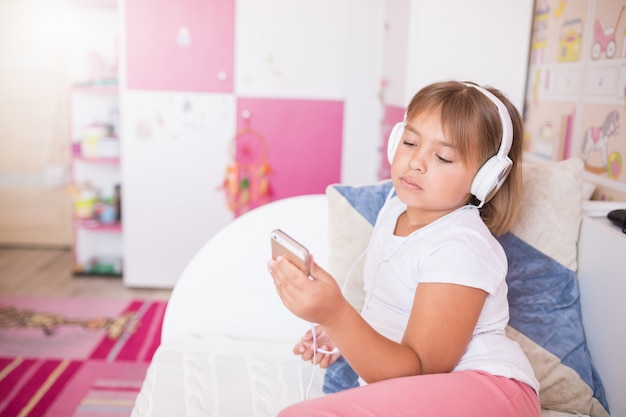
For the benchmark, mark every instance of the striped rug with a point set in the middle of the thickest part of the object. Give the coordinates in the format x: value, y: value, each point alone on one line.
x: 75, y: 357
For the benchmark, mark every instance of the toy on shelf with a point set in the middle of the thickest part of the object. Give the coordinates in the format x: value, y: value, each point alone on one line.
x: 100, y: 265
x: 247, y: 176
x: 97, y: 141
x: 604, y: 37
x: 92, y: 209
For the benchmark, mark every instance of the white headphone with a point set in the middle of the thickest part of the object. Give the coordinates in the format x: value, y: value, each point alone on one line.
x: 494, y: 171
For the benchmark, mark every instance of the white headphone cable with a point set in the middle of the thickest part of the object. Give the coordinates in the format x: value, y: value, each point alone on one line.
x: 304, y: 394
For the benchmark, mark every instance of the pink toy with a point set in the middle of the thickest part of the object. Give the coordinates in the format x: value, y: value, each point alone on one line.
x: 604, y: 38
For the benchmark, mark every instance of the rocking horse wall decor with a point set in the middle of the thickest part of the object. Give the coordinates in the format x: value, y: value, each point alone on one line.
x: 596, y: 140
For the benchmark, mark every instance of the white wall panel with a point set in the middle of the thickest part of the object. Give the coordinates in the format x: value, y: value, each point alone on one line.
x: 486, y: 41
x: 293, y: 49
x: 363, y: 104
x: 174, y: 157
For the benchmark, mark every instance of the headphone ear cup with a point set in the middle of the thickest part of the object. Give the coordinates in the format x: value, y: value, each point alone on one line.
x: 394, y: 140
x: 490, y: 178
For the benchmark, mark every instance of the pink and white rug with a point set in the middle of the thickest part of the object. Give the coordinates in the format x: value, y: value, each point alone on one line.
x: 75, y: 357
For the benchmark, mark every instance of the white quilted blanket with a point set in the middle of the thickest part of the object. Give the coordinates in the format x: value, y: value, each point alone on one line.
x: 221, y: 377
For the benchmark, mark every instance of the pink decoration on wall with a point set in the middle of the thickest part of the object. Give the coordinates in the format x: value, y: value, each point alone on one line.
x: 303, y: 138
x: 186, y: 45
x: 247, y: 179
x: 392, y: 116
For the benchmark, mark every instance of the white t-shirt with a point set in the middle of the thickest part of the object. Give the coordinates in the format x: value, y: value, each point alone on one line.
x: 457, y: 248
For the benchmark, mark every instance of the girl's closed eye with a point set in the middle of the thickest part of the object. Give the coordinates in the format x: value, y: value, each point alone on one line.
x: 444, y: 160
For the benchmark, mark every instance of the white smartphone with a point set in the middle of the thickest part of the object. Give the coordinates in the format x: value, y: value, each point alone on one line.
x: 287, y: 247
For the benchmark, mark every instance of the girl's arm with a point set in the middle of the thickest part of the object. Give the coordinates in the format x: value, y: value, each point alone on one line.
x: 439, y: 329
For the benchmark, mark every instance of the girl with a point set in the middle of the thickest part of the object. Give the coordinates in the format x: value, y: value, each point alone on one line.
x: 430, y: 339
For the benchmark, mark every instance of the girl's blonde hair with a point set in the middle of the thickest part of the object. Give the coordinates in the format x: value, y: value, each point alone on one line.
x: 471, y: 121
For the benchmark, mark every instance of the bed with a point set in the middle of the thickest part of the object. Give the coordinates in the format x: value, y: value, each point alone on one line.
x: 227, y: 339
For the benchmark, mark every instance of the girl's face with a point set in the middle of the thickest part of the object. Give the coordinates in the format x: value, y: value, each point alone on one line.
x: 428, y: 172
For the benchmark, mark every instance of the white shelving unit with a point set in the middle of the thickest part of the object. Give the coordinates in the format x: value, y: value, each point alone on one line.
x: 96, y: 178
x: 91, y: 29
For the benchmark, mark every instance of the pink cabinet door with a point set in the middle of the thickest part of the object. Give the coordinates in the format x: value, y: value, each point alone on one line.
x: 180, y: 45
x: 303, y: 139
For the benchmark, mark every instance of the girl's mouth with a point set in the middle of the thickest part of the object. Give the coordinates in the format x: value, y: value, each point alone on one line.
x: 410, y: 184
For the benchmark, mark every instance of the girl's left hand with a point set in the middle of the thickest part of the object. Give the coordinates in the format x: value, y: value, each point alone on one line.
x: 317, y: 299
x: 322, y: 352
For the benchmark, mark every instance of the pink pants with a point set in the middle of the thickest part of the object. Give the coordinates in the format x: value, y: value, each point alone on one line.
x: 465, y: 393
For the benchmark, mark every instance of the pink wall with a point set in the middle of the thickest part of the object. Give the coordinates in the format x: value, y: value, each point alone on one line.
x: 304, y: 141
x: 186, y: 45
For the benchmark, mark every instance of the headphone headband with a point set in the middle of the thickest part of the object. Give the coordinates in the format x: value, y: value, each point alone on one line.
x: 505, y: 120
x: 495, y: 170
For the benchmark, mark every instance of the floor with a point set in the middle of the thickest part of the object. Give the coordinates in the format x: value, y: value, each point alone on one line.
x: 48, y: 273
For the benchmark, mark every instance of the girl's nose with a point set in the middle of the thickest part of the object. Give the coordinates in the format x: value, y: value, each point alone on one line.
x: 416, y: 162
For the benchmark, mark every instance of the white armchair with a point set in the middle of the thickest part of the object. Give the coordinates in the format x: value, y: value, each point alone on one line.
x: 226, y: 345
x: 226, y: 289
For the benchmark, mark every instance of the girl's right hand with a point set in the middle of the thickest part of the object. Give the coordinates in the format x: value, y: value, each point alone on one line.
x: 305, y: 348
